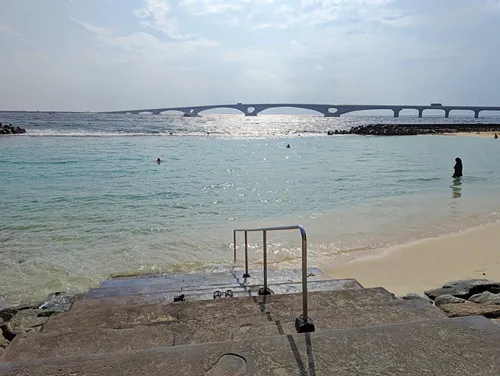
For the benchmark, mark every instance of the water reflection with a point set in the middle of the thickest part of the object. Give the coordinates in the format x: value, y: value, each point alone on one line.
x: 456, y: 188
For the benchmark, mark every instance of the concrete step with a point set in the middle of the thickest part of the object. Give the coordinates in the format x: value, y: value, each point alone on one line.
x: 135, y: 295
x: 209, y: 310
x: 178, y: 280
x: 222, y: 327
x: 449, y: 347
x: 188, y: 287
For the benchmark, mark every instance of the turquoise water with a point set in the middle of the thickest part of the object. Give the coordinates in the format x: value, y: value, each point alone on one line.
x: 84, y: 199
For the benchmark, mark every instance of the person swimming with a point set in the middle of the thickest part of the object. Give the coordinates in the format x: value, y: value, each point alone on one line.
x: 288, y: 146
x: 158, y: 160
x: 458, y: 168
x: 496, y: 136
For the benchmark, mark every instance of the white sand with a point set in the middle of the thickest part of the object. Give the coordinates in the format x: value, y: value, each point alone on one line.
x: 473, y: 134
x: 429, y: 263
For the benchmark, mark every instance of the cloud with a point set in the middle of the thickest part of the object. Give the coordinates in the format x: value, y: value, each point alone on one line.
x: 144, y: 45
x: 6, y: 29
x: 205, y: 7
x: 93, y: 28
x: 157, y: 14
x: 319, y: 12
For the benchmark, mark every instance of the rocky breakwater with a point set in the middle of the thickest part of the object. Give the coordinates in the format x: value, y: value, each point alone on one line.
x: 416, y: 129
x: 476, y: 297
x: 11, y: 129
x: 30, y: 318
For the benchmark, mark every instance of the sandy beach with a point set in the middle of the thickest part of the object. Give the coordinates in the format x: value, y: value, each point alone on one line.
x: 473, y: 134
x: 428, y: 263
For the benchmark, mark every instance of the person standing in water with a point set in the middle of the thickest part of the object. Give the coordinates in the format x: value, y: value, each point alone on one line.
x: 458, y: 168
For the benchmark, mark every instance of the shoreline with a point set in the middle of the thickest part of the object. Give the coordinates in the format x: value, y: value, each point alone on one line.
x: 424, y: 264
x: 472, y: 134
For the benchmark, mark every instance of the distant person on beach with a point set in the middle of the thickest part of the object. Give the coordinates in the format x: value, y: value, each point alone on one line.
x: 158, y: 160
x: 458, y: 168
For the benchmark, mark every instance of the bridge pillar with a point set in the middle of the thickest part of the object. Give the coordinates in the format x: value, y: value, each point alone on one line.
x: 476, y: 114
x: 420, y: 112
x: 446, y: 114
x: 396, y: 112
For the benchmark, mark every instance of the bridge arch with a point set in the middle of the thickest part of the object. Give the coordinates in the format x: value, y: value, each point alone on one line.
x: 386, y: 112
x: 431, y: 112
x: 298, y: 111
x: 322, y: 109
x: 409, y: 112
x: 461, y: 112
x: 231, y: 107
x: 221, y: 111
x: 171, y: 112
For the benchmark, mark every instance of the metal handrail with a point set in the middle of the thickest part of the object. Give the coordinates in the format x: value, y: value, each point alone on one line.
x: 302, y: 323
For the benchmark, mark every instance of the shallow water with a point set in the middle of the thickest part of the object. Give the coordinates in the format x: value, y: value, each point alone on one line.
x: 75, y: 210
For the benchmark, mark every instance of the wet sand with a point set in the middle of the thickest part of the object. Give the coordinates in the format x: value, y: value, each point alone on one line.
x: 428, y: 263
x: 473, y: 134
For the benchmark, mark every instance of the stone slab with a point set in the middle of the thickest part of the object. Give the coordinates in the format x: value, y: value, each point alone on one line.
x: 221, y: 278
x: 465, y: 288
x: 450, y: 347
x: 286, y: 287
x: 205, y: 294
x: 154, y: 313
x: 220, y: 328
x: 471, y: 309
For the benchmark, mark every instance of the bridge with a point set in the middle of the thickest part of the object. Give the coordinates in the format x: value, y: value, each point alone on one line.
x: 328, y: 110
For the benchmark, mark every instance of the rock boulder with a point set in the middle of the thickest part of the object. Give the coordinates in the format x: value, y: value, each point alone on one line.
x: 25, y: 321
x: 491, y: 311
x: 11, y: 129
x: 448, y: 299
x: 485, y: 298
x: 464, y: 288
x: 413, y: 296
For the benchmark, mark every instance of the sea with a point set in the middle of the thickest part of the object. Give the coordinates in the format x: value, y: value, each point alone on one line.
x: 83, y: 199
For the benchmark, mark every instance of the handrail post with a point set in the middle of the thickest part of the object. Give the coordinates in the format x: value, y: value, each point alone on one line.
x: 264, y: 244
x: 234, y: 239
x: 304, y: 276
x: 246, y: 275
x: 265, y: 290
x: 304, y: 324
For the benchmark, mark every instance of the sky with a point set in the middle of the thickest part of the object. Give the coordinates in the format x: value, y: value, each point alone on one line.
x: 98, y: 55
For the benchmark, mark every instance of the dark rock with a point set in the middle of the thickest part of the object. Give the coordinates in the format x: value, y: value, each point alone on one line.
x: 7, y: 313
x: 11, y: 129
x: 448, y: 299
x: 491, y: 311
x: 416, y: 297
x: 414, y: 129
x: 464, y: 289
x: 24, y: 321
x: 485, y: 298
x: 57, y: 302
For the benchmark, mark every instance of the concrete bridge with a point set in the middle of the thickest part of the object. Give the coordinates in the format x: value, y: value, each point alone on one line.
x: 328, y: 110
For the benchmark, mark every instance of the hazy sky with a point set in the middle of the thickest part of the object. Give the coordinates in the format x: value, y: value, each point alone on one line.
x: 124, y: 54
